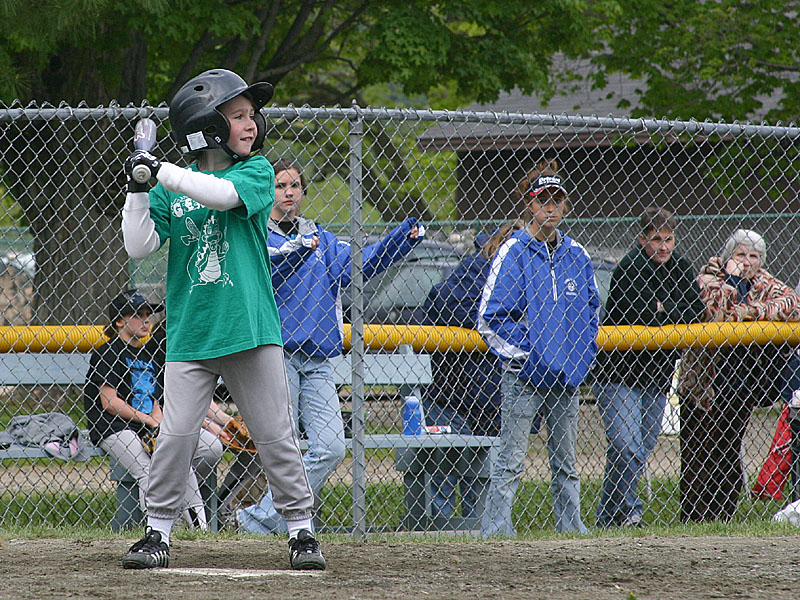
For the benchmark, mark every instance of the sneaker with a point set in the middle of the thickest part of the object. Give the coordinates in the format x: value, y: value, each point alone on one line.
x: 228, y: 519
x: 633, y: 521
x: 304, y: 552
x: 789, y: 514
x: 148, y: 552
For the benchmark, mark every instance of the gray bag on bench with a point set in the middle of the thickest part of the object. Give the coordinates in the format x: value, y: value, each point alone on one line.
x: 53, y: 432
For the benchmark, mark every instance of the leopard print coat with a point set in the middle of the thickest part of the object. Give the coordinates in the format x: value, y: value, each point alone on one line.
x: 769, y: 299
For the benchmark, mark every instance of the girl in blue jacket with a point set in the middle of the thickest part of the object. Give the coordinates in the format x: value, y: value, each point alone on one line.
x: 538, y: 312
x: 310, y: 268
x: 465, y: 391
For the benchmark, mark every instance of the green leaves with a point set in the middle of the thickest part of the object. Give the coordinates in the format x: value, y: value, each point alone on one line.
x: 725, y: 59
x: 315, y: 52
x: 483, y: 47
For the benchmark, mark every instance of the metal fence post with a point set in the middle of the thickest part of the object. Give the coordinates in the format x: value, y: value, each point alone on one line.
x: 356, y: 132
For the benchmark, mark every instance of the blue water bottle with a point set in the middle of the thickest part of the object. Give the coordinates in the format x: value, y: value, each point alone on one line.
x: 413, y: 421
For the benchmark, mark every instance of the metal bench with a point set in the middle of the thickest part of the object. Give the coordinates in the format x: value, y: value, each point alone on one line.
x: 420, y: 457
x: 71, y: 369
x: 417, y: 457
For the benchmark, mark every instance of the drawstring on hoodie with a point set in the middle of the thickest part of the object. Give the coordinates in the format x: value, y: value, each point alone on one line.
x: 552, y: 272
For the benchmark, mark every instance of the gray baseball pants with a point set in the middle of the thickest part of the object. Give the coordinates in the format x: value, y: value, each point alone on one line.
x: 126, y: 448
x: 256, y: 380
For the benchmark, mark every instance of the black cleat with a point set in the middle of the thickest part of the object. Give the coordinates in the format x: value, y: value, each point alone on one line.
x: 148, y: 553
x: 304, y: 552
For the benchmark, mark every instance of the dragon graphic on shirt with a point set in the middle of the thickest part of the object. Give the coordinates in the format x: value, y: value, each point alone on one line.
x: 208, y: 261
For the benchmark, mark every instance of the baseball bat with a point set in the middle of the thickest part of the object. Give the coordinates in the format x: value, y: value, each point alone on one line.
x: 144, y: 138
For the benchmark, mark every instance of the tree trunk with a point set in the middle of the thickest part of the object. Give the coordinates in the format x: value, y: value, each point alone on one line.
x: 65, y: 174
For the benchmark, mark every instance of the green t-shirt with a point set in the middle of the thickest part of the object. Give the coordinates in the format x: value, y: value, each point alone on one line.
x: 219, y: 283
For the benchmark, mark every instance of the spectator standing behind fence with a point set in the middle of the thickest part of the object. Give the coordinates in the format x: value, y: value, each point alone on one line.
x: 122, y: 399
x: 719, y: 387
x: 538, y: 313
x: 652, y: 286
x: 223, y: 320
x: 311, y: 266
x: 465, y: 391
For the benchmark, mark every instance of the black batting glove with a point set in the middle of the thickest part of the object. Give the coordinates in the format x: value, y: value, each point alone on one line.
x: 139, y: 168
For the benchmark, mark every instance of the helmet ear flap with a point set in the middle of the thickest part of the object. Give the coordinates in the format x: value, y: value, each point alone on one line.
x: 261, y: 131
x: 218, y: 130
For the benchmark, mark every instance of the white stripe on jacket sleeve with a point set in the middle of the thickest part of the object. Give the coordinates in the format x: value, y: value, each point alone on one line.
x: 495, y: 342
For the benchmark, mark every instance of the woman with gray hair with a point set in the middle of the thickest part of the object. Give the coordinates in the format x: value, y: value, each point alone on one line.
x: 719, y: 387
x: 748, y: 238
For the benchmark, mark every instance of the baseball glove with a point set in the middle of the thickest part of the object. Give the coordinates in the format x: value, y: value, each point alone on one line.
x: 149, y: 440
x: 236, y: 436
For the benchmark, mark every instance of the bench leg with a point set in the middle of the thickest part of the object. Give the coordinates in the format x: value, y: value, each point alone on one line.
x: 208, y: 489
x: 128, y: 514
x: 419, y: 464
x: 411, y: 462
x: 416, y: 517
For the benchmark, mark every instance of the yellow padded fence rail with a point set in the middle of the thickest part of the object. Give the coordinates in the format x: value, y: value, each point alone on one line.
x: 84, y: 338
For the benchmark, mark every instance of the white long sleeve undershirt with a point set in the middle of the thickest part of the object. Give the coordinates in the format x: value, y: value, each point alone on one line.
x: 208, y: 190
x: 138, y: 227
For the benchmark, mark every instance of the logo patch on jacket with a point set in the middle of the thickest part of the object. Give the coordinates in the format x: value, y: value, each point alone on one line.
x: 571, y: 287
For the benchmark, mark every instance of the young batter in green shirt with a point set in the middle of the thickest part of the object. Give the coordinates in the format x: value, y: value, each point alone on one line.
x: 223, y: 320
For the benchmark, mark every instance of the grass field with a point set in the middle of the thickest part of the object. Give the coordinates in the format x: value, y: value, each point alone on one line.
x: 532, y: 508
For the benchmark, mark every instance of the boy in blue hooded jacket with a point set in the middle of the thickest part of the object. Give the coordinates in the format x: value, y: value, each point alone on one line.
x: 539, y: 313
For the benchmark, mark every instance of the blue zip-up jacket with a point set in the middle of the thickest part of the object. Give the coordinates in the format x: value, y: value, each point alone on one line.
x: 308, y: 283
x: 540, y: 311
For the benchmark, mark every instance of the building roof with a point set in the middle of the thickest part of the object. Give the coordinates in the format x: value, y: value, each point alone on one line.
x: 576, y: 98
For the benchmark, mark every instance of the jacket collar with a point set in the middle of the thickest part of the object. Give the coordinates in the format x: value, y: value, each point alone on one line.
x: 539, y: 245
x: 304, y: 226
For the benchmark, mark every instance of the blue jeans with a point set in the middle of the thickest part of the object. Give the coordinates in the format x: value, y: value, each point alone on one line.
x: 315, y: 402
x: 632, y: 419
x: 521, y: 402
x: 443, y: 487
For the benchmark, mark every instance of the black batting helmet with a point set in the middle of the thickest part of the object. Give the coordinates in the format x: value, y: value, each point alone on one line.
x: 197, y: 123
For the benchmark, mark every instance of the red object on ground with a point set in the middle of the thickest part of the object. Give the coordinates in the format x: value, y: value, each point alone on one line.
x: 776, y: 469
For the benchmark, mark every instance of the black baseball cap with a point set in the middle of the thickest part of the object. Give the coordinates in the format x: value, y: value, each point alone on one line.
x: 546, y: 182
x: 130, y: 302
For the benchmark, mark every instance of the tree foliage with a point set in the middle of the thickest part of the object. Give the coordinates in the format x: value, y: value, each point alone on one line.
x: 715, y: 59
x: 317, y: 51
x: 719, y: 59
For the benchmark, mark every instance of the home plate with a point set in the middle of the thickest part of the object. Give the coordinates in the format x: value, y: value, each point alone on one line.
x: 234, y: 573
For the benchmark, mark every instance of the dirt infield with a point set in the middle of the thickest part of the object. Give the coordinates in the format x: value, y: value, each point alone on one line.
x: 608, y: 568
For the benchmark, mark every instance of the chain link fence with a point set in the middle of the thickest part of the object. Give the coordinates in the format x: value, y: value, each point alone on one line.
x: 367, y: 171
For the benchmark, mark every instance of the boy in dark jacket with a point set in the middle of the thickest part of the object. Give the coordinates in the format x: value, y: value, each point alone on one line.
x: 652, y: 286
